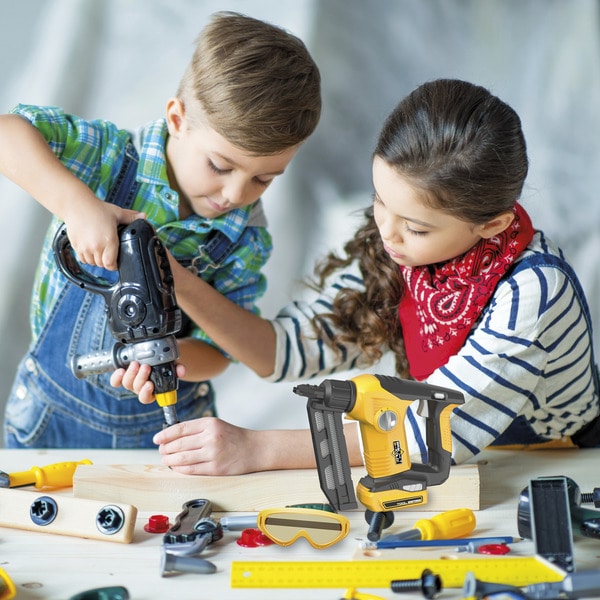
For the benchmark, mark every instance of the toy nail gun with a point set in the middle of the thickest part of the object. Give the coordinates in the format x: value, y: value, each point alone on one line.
x: 379, y: 403
x: 142, y: 311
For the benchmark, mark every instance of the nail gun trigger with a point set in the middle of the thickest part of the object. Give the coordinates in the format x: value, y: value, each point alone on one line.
x: 423, y: 409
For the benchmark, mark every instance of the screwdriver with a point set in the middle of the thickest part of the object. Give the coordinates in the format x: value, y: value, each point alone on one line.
x: 448, y: 525
x: 55, y: 475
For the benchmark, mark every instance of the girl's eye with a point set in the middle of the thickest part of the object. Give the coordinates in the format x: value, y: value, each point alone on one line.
x: 216, y: 169
x: 414, y: 231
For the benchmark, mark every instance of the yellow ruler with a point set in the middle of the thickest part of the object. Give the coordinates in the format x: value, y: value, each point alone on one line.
x: 518, y: 571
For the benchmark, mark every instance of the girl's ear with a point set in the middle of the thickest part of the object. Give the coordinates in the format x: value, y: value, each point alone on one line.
x: 496, y: 225
x: 175, y: 114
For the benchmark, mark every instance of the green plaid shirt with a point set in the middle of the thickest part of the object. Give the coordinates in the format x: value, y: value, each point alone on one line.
x: 93, y: 151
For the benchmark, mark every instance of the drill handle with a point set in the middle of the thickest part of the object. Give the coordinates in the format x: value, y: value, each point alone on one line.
x: 72, y: 269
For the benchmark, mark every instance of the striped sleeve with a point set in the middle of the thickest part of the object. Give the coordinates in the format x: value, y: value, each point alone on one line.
x: 529, y: 355
x: 300, y: 353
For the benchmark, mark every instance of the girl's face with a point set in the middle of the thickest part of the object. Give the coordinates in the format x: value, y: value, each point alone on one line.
x: 211, y: 175
x: 414, y: 234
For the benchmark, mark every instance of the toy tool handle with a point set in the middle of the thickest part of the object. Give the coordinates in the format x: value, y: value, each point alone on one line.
x: 72, y: 269
x: 55, y: 475
x: 449, y: 525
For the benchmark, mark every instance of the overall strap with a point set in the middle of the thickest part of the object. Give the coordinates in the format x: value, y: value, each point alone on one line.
x: 218, y: 247
x: 125, y: 187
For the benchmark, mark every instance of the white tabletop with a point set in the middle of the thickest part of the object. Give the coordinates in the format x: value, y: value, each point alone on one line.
x: 53, y: 566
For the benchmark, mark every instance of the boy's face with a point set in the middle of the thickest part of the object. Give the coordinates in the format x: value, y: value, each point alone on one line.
x: 211, y: 175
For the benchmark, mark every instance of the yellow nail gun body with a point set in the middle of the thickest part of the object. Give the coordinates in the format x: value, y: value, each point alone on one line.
x: 379, y: 403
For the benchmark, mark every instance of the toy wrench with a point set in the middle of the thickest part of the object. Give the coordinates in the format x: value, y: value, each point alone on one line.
x: 193, y: 530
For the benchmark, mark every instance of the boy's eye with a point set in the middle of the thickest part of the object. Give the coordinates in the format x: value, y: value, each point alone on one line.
x: 263, y: 182
x: 216, y: 169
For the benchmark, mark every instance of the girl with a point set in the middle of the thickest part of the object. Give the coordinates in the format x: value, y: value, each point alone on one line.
x: 448, y: 273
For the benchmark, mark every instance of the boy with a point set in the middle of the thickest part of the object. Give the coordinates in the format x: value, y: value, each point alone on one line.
x: 249, y: 98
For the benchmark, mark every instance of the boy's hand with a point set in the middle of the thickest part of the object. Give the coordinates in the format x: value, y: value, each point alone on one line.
x: 93, y: 235
x: 136, y: 379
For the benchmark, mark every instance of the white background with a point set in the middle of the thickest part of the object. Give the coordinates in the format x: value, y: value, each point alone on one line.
x: 121, y: 59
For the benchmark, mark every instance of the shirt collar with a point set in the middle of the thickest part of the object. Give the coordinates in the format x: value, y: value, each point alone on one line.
x: 151, y: 141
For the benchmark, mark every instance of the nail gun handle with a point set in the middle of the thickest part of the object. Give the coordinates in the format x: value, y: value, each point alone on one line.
x: 439, y: 439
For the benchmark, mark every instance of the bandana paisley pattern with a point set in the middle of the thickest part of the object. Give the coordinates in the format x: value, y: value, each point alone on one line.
x: 441, y: 303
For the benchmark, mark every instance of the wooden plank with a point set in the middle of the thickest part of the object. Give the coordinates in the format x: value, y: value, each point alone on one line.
x: 157, y: 488
x: 64, y: 515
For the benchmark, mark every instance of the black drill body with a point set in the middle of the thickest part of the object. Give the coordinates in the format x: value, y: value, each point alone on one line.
x: 141, y: 308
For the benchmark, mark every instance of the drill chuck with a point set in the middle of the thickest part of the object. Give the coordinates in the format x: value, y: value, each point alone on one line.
x: 156, y: 352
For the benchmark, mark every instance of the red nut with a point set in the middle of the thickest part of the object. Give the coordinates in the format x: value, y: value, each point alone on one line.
x: 252, y: 538
x: 157, y: 524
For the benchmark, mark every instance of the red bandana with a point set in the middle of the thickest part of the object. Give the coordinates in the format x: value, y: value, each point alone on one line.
x: 441, y: 303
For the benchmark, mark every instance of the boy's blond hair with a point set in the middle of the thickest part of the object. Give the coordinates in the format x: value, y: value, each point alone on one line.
x: 256, y: 83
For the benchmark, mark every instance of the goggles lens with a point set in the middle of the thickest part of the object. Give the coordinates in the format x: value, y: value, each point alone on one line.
x: 320, y: 528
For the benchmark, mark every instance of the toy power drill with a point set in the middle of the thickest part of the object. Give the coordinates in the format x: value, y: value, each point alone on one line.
x: 379, y: 403
x: 143, y: 315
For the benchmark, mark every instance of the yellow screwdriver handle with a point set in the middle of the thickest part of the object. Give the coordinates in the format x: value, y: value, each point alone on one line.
x: 55, y: 475
x: 448, y: 525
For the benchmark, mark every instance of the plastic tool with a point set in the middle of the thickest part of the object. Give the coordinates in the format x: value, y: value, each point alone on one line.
x: 379, y: 403
x: 51, y: 476
x: 448, y: 525
x: 283, y: 526
x: 141, y: 307
x: 379, y: 573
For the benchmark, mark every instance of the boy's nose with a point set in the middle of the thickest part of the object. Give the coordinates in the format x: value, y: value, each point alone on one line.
x: 234, y: 194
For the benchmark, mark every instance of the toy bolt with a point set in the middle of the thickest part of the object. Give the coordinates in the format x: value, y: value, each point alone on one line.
x: 429, y: 583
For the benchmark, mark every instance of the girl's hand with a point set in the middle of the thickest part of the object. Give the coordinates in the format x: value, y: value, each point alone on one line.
x: 92, y: 232
x: 136, y: 379
x: 211, y: 446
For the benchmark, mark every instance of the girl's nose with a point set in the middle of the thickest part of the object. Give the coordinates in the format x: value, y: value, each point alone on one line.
x: 389, y: 230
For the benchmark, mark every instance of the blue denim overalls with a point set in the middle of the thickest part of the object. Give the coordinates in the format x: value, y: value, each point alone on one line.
x: 48, y: 407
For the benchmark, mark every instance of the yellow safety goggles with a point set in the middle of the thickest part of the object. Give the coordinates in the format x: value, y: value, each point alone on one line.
x: 285, y: 525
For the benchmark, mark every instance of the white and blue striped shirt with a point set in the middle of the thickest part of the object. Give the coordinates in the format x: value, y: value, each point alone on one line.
x: 529, y: 357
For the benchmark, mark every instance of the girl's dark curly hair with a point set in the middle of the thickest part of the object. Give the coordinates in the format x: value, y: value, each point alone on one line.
x: 464, y: 149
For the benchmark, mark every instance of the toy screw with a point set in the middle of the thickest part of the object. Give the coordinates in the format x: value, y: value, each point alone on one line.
x: 429, y: 583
